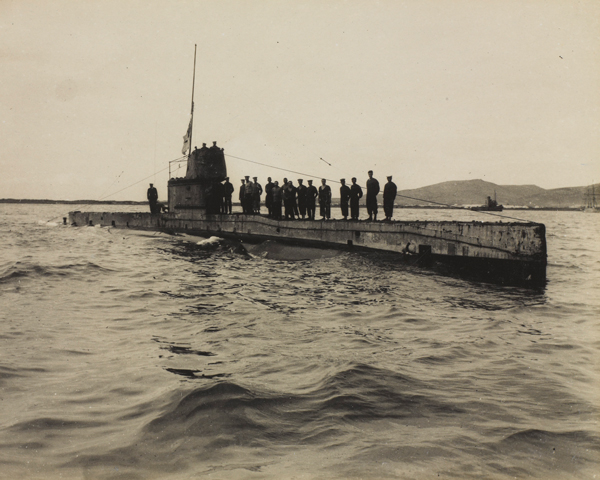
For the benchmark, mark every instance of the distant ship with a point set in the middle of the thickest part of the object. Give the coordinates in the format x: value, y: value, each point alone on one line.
x: 490, y: 206
x: 591, y: 205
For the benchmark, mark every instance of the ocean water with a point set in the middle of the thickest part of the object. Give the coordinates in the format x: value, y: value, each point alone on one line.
x: 138, y: 355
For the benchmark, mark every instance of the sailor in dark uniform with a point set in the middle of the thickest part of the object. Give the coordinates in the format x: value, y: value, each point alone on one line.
x: 311, y: 194
x: 248, y: 196
x: 269, y: 196
x: 276, y: 201
x: 325, y: 200
x: 294, y: 199
x: 152, y: 195
x: 344, y: 197
x: 289, y: 197
x: 241, y: 195
x: 227, y: 193
x: 356, y: 194
x: 389, y: 195
x: 301, y: 196
x: 256, y: 195
x: 372, y: 191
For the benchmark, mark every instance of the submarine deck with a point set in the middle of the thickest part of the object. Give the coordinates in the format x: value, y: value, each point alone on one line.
x: 514, y: 252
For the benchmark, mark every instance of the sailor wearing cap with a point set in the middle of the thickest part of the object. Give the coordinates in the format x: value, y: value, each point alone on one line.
x: 356, y: 194
x: 344, y: 198
x: 301, y: 197
x: 227, y: 193
x: 152, y: 196
x: 372, y: 191
x: 256, y: 193
x: 269, y: 196
x: 248, y: 196
x: 311, y: 194
x: 389, y: 195
x: 325, y: 200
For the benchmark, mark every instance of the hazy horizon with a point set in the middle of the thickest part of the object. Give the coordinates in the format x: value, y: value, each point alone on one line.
x: 163, y: 198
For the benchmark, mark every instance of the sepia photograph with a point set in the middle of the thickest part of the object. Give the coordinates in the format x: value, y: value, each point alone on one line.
x: 299, y: 239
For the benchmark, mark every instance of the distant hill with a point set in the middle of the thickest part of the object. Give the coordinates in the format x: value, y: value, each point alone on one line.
x: 458, y: 193
x: 475, y: 192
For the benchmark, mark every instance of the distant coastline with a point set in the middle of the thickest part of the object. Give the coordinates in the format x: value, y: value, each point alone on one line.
x: 334, y: 204
x: 458, y: 194
x: 73, y: 202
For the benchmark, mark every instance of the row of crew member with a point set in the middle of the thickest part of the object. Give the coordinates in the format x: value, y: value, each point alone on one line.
x: 300, y: 201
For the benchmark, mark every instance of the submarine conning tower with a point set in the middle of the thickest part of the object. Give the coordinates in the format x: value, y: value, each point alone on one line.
x: 201, y: 186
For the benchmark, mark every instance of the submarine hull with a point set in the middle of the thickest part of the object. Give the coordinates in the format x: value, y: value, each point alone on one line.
x: 508, y: 253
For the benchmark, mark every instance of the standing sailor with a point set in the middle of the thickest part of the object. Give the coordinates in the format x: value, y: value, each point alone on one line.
x: 256, y: 194
x: 344, y: 197
x: 269, y: 196
x: 295, y: 199
x: 276, y: 201
x: 152, y: 195
x: 301, y: 192
x: 241, y: 195
x: 372, y: 191
x: 227, y: 193
x: 356, y: 194
x: 389, y: 195
x: 325, y: 200
x: 248, y: 196
x: 311, y: 194
x: 289, y: 197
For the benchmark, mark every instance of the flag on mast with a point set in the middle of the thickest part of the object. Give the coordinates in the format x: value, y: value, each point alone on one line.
x: 187, y: 138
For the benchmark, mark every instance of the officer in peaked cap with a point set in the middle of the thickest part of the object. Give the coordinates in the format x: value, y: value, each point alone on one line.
x: 389, y: 195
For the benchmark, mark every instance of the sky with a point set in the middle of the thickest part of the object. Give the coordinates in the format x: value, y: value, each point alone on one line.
x: 96, y: 95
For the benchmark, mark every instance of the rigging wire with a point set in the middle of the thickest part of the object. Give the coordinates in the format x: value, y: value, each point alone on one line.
x: 139, y: 181
x: 124, y: 188
x: 290, y: 171
x: 115, y: 181
x: 404, y: 196
x: 279, y: 168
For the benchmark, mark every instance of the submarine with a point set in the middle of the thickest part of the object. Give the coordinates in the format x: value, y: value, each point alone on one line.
x: 508, y: 253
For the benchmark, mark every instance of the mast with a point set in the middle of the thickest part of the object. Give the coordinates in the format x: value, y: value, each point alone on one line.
x: 192, y: 109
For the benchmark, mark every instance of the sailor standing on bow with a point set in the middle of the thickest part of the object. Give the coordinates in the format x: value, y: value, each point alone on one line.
x: 152, y: 195
x: 389, y: 195
x: 344, y: 197
x: 372, y: 191
x: 325, y: 200
x: 311, y: 194
x: 356, y: 194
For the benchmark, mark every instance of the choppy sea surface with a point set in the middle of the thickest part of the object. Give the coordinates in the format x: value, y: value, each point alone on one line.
x: 138, y: 355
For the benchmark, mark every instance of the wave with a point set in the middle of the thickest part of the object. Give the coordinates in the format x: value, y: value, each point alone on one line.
x: 20, y: 270
x: 536, y: 436
x: 8, y: 373
x: 53, y: 424
x: 570, y: 451
x: 359, y: 392
x: 223, y: 415
x: 226, y: 419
